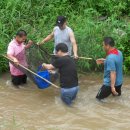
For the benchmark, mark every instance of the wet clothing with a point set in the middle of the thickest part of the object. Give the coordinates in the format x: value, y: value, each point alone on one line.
x: 67, y: 70
x: 105, y: 91
x: 62, y: 36
x: 19, y: 80
x: 68, y: 78
x: 113, y: 62
x: 69, y: 95
x: 18, y: 51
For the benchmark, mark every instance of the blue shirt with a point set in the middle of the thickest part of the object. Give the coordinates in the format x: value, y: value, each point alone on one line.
x: 113, y: 62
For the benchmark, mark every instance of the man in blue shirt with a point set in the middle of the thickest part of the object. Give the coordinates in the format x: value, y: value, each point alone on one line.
x: 113, y: 77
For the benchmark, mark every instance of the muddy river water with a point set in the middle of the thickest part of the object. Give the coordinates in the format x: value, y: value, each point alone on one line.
x: 30, y: 108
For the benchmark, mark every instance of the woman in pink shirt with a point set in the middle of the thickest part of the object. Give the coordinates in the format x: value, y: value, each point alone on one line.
x: 16, y: 52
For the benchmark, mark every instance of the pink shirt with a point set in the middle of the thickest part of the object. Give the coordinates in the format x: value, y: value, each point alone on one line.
x: 18, y: 51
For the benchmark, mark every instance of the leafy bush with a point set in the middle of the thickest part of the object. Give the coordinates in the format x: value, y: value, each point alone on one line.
x: 91, y: 20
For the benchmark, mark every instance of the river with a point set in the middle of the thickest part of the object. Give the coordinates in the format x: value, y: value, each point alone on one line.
x: 30, y: 108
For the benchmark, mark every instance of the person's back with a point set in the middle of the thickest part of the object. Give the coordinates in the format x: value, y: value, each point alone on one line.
x: 115, y: 62
x: 119, y: 66
x: 68, y: 73
x: 67, y: 70
x: 113, y: 75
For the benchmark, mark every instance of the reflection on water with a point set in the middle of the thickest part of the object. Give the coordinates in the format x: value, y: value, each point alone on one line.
x: 29, y: 108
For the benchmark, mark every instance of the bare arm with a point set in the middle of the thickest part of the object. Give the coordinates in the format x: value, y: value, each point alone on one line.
x: 113, y: 81
x: 13, y: 58
x: 29, y: 44
x: 73, y: 41
x: 48, y: 66
x: 100, y: 61
x: 48, y: 38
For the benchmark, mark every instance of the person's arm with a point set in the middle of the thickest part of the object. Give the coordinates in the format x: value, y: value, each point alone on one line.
x: 13, y: 58
x: 29, y: 44
x: 113, y: 81
x: 111, y: 66
x: 48, y: 38
x: 56, y: 64
x: 10, y: 53
x: 48, y: 66
x: 74, y: 44
x: 100, y: 61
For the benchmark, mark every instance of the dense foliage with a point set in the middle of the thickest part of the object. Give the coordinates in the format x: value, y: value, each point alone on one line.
x: 91, y: 20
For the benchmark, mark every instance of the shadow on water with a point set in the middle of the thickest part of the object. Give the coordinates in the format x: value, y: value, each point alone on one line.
x: 29, y: 108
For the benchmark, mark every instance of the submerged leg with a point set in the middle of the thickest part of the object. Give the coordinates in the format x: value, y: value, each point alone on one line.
x: 118, y: 89
x: 68, y: 95
x: 104, y: 92
x: 16, y: 80
x: 24, y: 79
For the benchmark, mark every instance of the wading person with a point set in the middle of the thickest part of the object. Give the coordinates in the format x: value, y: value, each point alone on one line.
x: 16, y: 52
x: 113, y: 77
x: 68, y: 73
x: 62, y: 34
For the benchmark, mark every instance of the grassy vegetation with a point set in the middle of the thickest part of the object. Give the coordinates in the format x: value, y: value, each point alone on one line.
x: 91, y: 20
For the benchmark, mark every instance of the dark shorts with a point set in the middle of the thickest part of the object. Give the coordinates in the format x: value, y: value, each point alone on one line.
x: 105, y: 91
x: 18, y: 80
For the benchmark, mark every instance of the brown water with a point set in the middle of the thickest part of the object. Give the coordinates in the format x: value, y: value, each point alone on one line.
x: 29, y: 108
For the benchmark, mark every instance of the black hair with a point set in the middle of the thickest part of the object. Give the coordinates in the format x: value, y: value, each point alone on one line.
x: 21, y: 33
x: 62, y: 47
x: 109, y: 41
x: 61, y: 20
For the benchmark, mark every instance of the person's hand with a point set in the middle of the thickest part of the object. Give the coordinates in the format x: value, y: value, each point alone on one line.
x: 52, y: 71
x: 43, y: 64
x: 40, y: 43
x: 76, y: 56
x: 30, y: 42
x: 100, y: 61
x: 15, y: 61
x: 114, y: 91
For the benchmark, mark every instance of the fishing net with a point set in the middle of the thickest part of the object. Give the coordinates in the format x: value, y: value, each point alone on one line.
x: 36, y: 55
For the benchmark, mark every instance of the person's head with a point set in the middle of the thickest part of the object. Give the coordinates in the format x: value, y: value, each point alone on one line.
x: 61, y: 22
x: 61, y: 49
x: 21, y: 36
x: 108, y: 43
